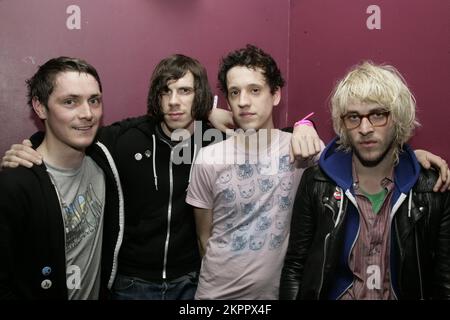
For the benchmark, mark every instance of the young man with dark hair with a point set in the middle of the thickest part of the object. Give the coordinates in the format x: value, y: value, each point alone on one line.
x: 158, y: 250
x: 52, y: 215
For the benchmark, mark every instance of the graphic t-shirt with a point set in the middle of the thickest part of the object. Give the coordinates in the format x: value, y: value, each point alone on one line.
x: 251, y: 195
x: 81, y: 192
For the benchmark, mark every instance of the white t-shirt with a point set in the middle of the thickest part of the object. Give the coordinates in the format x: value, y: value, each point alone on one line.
x: 251, y: 195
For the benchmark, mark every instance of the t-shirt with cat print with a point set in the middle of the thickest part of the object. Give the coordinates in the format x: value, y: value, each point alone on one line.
x: 251, y: 195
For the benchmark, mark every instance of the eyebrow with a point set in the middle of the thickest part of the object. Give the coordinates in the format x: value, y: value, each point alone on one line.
x: 371, y: 111
x: 248, y: 85
x: 76, y: 96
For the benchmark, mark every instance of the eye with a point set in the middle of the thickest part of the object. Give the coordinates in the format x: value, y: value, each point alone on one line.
x: 69, y: 102
x: 233, y: 93
x: 378, y: 115
x: 255, y: 90
x: 185, y: 91
x: 166, y: 92
x: 352, y: 117
x: 95, y: 100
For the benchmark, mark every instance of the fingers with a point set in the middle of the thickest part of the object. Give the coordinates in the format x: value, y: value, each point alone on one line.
x: 443, y: 184
x: 446, y: 186
x: 318, y: 145
x: 304, y: 148
x: 27, y: 143
x: 14, y: 162
x: 443, y: 175
x: 444, y: 170
x: 21, y: 154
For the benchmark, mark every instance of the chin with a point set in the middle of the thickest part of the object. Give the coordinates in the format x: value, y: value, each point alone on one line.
x: 370, y: 160
x: 82, y: 144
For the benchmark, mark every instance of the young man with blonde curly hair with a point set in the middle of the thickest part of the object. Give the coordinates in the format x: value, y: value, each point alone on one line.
x: 366, y: 223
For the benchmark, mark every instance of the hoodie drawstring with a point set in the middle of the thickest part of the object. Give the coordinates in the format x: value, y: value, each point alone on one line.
x: 155, y: 176
x: 409, y: 203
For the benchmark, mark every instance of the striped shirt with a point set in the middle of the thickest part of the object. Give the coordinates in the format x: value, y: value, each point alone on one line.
x: 369, y: 258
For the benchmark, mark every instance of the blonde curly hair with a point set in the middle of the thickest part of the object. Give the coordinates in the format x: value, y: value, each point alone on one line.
x: 380, y: 84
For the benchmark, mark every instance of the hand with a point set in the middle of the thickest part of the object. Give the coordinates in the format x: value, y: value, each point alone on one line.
x: 305, y: 143
x: 426, y: 160
x: 221, y: 119
x: 21, y: 154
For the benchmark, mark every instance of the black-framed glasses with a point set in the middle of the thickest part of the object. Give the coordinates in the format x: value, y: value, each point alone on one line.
x: 377, y: 118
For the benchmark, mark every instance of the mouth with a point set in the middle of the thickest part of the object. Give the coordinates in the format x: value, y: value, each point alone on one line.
x: 368, y: 144
x: 175, y: 115
x: 84, y: 128
x: 246, y: 114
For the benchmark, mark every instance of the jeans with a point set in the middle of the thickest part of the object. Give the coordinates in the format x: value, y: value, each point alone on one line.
x: 132, y: 288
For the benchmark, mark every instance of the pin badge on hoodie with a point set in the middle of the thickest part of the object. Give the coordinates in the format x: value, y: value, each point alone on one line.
x: 147, y: 153
x: 46, y: 284
x: 337, y: 194
x: 46, y: 271
x: 138, y: 156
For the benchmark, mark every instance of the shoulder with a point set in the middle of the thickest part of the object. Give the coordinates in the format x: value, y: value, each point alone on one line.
x: 132, y: 122
x: 18, y: 179
x: 426, y: 181
x: 110, y: 133
x: 315, y: 174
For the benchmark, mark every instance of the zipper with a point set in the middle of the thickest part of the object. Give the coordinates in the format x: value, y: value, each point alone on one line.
x: 418, y: 263
x: 333, y: 212
x: 325, y: 246
x: 169, y: 215
x: 395, y: 208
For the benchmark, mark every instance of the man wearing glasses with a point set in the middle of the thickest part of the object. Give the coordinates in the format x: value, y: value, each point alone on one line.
x: 366, y: 223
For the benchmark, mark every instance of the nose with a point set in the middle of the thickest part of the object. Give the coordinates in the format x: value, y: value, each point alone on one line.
x: 173, y: 98
x: 365, y: 127
x: 85, y: 111
x: 244, y: 100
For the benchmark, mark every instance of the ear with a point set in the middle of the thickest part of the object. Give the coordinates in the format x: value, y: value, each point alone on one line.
x: 39, y: 108
x: 276, y: 97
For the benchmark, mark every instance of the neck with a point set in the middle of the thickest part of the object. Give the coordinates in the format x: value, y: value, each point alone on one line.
x: 257, y: 141
x: 370, y: 178
x: 61, y: 155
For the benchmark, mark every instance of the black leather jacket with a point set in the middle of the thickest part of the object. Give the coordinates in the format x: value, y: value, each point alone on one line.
x: 421, y: 240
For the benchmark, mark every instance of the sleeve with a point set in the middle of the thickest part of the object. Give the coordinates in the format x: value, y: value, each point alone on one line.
x: 300, y: 239
x: 108, y: 135
x: 11, y: 212
x: 441, y: 281
x: 200, y: 191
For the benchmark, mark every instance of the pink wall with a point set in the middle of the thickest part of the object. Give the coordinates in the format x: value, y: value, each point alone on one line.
x: 327, y: 37
x: 124, y: 40
x: 314, y: 42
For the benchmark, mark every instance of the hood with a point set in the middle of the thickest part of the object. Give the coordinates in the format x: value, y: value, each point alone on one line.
x: 337, y: 164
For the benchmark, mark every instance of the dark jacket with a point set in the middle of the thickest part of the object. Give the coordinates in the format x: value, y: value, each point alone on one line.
x: 160, y: 240
x: 325, y: 225
x: 32, y: 231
